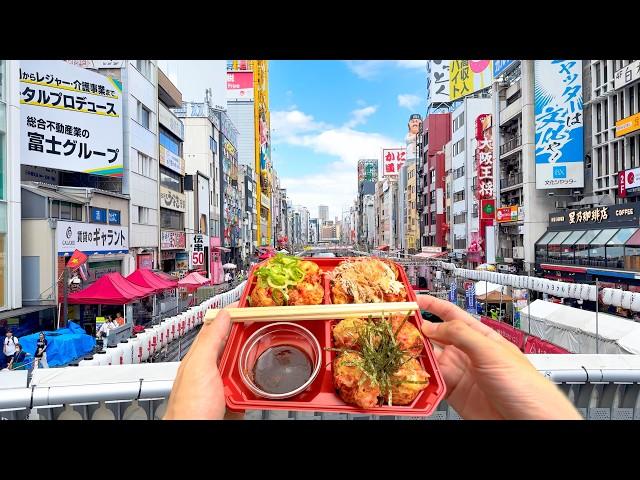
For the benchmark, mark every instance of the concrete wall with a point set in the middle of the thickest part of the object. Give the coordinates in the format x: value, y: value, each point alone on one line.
x: 38, y: 241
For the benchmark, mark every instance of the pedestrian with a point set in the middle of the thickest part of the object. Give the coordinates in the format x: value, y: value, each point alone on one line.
x: 487, y: 377
x: 41, y: 351
x: 17, y: 361
x: 227, y: 278
x: 107, y: 326
x: 119, y: 320
x: 9, y: 347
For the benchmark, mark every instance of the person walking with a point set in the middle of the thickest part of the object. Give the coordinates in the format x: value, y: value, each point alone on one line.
x: 41, y: 351
x: 17, y: 361
x: 9, y: 347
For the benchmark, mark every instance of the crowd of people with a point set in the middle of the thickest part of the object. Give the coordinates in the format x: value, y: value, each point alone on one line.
x: 15, y: 358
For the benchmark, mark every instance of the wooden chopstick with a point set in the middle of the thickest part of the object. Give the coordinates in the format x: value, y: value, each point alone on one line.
x: 312, y: 312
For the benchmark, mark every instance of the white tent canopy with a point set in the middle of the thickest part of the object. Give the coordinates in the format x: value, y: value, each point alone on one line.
x: 575, y: 329
x: 482, y: 288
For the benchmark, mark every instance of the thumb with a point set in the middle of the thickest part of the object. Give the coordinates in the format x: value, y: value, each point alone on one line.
x: 479, y: 349
x: 214, y: 334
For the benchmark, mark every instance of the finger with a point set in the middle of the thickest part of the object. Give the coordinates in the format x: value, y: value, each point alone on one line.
x: 215, y: 334
x: 479, y: 348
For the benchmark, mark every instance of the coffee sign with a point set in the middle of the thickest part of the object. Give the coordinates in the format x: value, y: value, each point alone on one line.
x: 172, y: 200
x: 609, y: 216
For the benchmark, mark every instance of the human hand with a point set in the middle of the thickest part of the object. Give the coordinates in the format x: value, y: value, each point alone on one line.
x: 487, y: 376
x: 198, y: 392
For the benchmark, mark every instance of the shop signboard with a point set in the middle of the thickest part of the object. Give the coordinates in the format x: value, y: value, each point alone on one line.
x: 608, y: 216
x: 468, y: 76
x: 507, y: 214
x: 196, y: 252
x: 627, y: 75
x: 392, y: 161
x: 71, y: 118
x: 172, y: 200
x: 172, y: 240
x: 628, y: 125
x: 629, y: 183
x: 559, y: 124
x: 91, y: 238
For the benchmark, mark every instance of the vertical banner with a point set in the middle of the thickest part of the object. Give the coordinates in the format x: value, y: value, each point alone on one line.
x: 559, y: 124
x: 470, y: 293
x: 392, y: 161
x: 453, y: 291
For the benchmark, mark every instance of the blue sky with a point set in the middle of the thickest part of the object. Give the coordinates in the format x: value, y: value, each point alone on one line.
x: 325, y: 115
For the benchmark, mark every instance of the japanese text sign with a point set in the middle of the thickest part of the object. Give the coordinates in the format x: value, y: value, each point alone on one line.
x: 196, y: 255
x: 437, y: 81
x: 629, y: 183
x: 559, y: 124
x: 172, y: 240
x: 627, y: 75
x: 468, y: 76
x: 392, y: 161
x: 71, y: 118
x: 484, y: 157
x: 624, y: 215
x: 628, y: 125
x: 91, y: 238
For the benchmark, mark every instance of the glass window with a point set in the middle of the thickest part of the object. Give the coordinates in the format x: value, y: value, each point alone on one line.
x: 554, y: 248
x: 582, y: 247
x: 170, y: 180
x: 574, y: 237
x: 65, y: 210
x: 55, y: 209
x: 171, y: 219
x: 621, y: 237
x: 597, y: 250
x: 615, y: 251
x: 567, y: 252
x: 547, y: 237
x: 558, y: 239
x: 169, y: 142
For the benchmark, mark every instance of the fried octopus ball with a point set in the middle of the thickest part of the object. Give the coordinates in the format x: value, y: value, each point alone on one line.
x: 346, y: 380
x: 347, y: 332
x: 409, y: 337
x: 260, y: 297
x: 339, y: 296
x: 396, y: 297
x: 309, y: 268
x: 406, y: 391
x: 306, y: 293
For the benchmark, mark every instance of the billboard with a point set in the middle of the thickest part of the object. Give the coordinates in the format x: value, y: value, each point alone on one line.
x: 240, y: 85
x: 70, y: 118
x: 437, y: 81
x: 91, y: 238
x: 484, y: 156
x: 392, y: 161
x: 502, y: 66
x: 627, y: 75
x: 628, y: 125
x: 508, y: 214
x: 367, y: 170
x: 559, y: 124
x: 468, y: 76
x: 629, y: 183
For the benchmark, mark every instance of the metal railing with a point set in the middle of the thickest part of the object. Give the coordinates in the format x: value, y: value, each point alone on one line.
x: 510, y: 144
x: 511, y: 180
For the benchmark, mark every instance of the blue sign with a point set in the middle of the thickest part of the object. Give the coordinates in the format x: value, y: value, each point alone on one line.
x: 98, y: 215
x: 453, y: 292
x: 500, y: 66
x: 114, y: 217
x: 471, y: 298
x: 559, y: 124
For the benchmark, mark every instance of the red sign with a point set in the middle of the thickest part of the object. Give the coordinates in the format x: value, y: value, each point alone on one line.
x: 145, y: 261
x: 537, y: 345
x: 484, y: 157
x: 512, y: 334
x: 487, y: 209
x: 392, y: 161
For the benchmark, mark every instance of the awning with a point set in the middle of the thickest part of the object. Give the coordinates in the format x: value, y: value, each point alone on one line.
x: 222, y: 249
x: 145, y: 278
x: 495, y: 297
x: 430, y: 254
x: 193, y: 280
x: 18, y: 312
x: 110, y: 289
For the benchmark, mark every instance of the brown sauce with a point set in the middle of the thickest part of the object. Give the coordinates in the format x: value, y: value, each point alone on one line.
x: 282, y: 369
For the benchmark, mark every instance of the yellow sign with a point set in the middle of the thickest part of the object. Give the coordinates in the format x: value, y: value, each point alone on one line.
x: 469, y: 76
x: 628, y: 125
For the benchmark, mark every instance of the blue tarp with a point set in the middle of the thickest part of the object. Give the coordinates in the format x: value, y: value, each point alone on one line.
x: 64, y: 344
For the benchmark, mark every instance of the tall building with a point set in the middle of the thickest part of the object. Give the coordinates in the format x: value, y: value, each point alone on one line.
x: 247, y: 180
x: 436, y: 133
x: 314, y: 231
x: 201, y: 154
x: 528, y: 206
x: 464, y: 208
x: 367, y: 178
x: 175, y: 258
x: 10, y: 198
x: 323, y: 213
x: 248, y: 107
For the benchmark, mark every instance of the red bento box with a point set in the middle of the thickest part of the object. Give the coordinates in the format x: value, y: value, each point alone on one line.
x: 321, y: 395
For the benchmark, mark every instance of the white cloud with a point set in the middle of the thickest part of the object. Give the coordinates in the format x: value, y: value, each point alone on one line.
x: 360, y: 115
x: 337, y: 185
x: 417, y: 64
x: 369, y: 69
x: 408, y: 101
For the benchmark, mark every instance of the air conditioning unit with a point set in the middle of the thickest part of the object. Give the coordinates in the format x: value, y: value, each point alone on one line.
x: 561, y: 205
x: 518, y: 252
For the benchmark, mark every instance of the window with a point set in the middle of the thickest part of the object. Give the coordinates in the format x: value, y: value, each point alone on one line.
x: 145, y: 67
x: 66, y: 210
x: 213, y: 145
x: 98, y: 215
x: 143, y: 215
x: 169, y: 142
x: 171, y: 219
x: 114, y: 217
x: 458, y: 172
x: 458, y: 196
x: 170, y: 180
x: 632, y: 107
x: 460, y: 243
x: 433, y: 176
x: 460, y: 218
